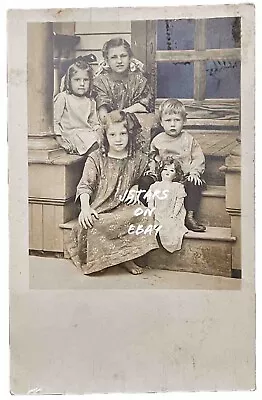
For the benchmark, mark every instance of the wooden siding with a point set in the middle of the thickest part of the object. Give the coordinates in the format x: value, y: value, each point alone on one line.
x: 64, y: 28
x: 93, y: 35
x: 52, y: 188
x: 83, y: 28
x: 35, y: 224
x: 44, y: 221
x: 96, y: 42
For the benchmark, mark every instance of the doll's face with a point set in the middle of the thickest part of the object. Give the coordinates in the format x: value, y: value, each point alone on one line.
x: 80, y: 83
x: 117, y: 137
x: 168, y: 173
x: 118, y: 59
x: 172, y: 123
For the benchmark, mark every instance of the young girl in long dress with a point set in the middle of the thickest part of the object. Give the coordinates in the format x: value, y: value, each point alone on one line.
x: 102, y: 237
x: 166, y: 198
x: 76, y: 123
x: 120, y: 83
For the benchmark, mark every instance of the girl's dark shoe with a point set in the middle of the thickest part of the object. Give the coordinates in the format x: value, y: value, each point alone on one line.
x: 192, y: 224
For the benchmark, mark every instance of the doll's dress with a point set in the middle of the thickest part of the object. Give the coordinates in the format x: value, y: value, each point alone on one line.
x: 173, y: 227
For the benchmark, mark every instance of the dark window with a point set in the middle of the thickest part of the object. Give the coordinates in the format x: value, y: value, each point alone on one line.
x: 175, y: 80
x: 222, y: 79
x: 222, y: 33
x: 176, y: 34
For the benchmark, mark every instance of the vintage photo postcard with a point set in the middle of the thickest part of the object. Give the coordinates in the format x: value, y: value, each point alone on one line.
x: 131, y: 170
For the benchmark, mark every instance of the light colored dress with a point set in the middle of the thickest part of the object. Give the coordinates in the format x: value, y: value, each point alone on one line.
x: 173, y: 226
x: 108, y: 243
x: 75, y: 119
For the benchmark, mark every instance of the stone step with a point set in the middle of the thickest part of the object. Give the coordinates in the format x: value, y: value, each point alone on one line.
x: 208, y: 253
x: 212, y: 210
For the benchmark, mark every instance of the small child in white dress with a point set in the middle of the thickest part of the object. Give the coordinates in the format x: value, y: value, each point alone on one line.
x: 166, y: 198
x: 76, y: 123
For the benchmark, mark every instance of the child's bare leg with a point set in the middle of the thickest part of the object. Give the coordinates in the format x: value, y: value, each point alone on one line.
x: 131, y: 267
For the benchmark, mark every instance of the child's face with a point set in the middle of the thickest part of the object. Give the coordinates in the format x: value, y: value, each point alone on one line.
x: 117, y: 137
x: 118, y: 59
x: 80, y: 83
x: 168, y: 173
x: 172, y: 124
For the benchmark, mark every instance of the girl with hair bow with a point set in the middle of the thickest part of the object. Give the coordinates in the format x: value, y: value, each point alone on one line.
x: 76, y: 123
x: 120, y: 83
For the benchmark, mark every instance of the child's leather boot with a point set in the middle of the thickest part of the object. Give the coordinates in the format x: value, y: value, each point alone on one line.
x: 192, y: 224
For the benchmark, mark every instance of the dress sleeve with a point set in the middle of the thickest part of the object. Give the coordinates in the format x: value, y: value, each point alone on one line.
x: 89, y: 180
x: 143, y: 93
x: 154, y: 151
x: 198, y: 159
x: 93, y: 120
x: 181, y: 193
x: 59, y: 106
x: 102, y: 95
x: 142, y: 166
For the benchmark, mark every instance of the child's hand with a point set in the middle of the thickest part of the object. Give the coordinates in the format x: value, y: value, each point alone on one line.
x: 194, y: 178
x: 87, y: 217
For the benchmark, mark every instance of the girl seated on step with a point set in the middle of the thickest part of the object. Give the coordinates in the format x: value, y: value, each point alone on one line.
x: 120, y: 83
x: 102, y: 237
x: 76, y: 124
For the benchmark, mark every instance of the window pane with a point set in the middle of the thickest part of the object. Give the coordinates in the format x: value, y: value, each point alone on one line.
x: 223, y: 33
x: 223, y: 79
x: 175, y: 80
x: 175, y: 34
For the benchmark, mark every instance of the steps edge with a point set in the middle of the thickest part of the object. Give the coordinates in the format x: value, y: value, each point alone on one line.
x: 224, y: 236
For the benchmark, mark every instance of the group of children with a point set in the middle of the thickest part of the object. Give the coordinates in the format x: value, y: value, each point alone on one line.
x: 95, y: 116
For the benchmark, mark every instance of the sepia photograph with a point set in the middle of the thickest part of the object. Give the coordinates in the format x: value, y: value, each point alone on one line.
x: 131, y: 156
x: 164, y: 194
x: 135, y: 163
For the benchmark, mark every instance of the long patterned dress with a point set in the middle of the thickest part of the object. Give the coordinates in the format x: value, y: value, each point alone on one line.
x: 108, y: 243
x: 115, y: 94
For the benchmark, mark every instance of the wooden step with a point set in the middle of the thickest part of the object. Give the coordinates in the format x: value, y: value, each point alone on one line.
x: 68, y: 225
x: 208, y: 253
x: 212, y: 175
x: 212, y: 210
x: 216, y: 146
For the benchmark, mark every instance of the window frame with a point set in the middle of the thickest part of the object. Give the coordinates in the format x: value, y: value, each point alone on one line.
x: 199, y: 56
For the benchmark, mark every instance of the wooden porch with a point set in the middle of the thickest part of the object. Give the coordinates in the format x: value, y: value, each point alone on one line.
x: 214, y: 123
